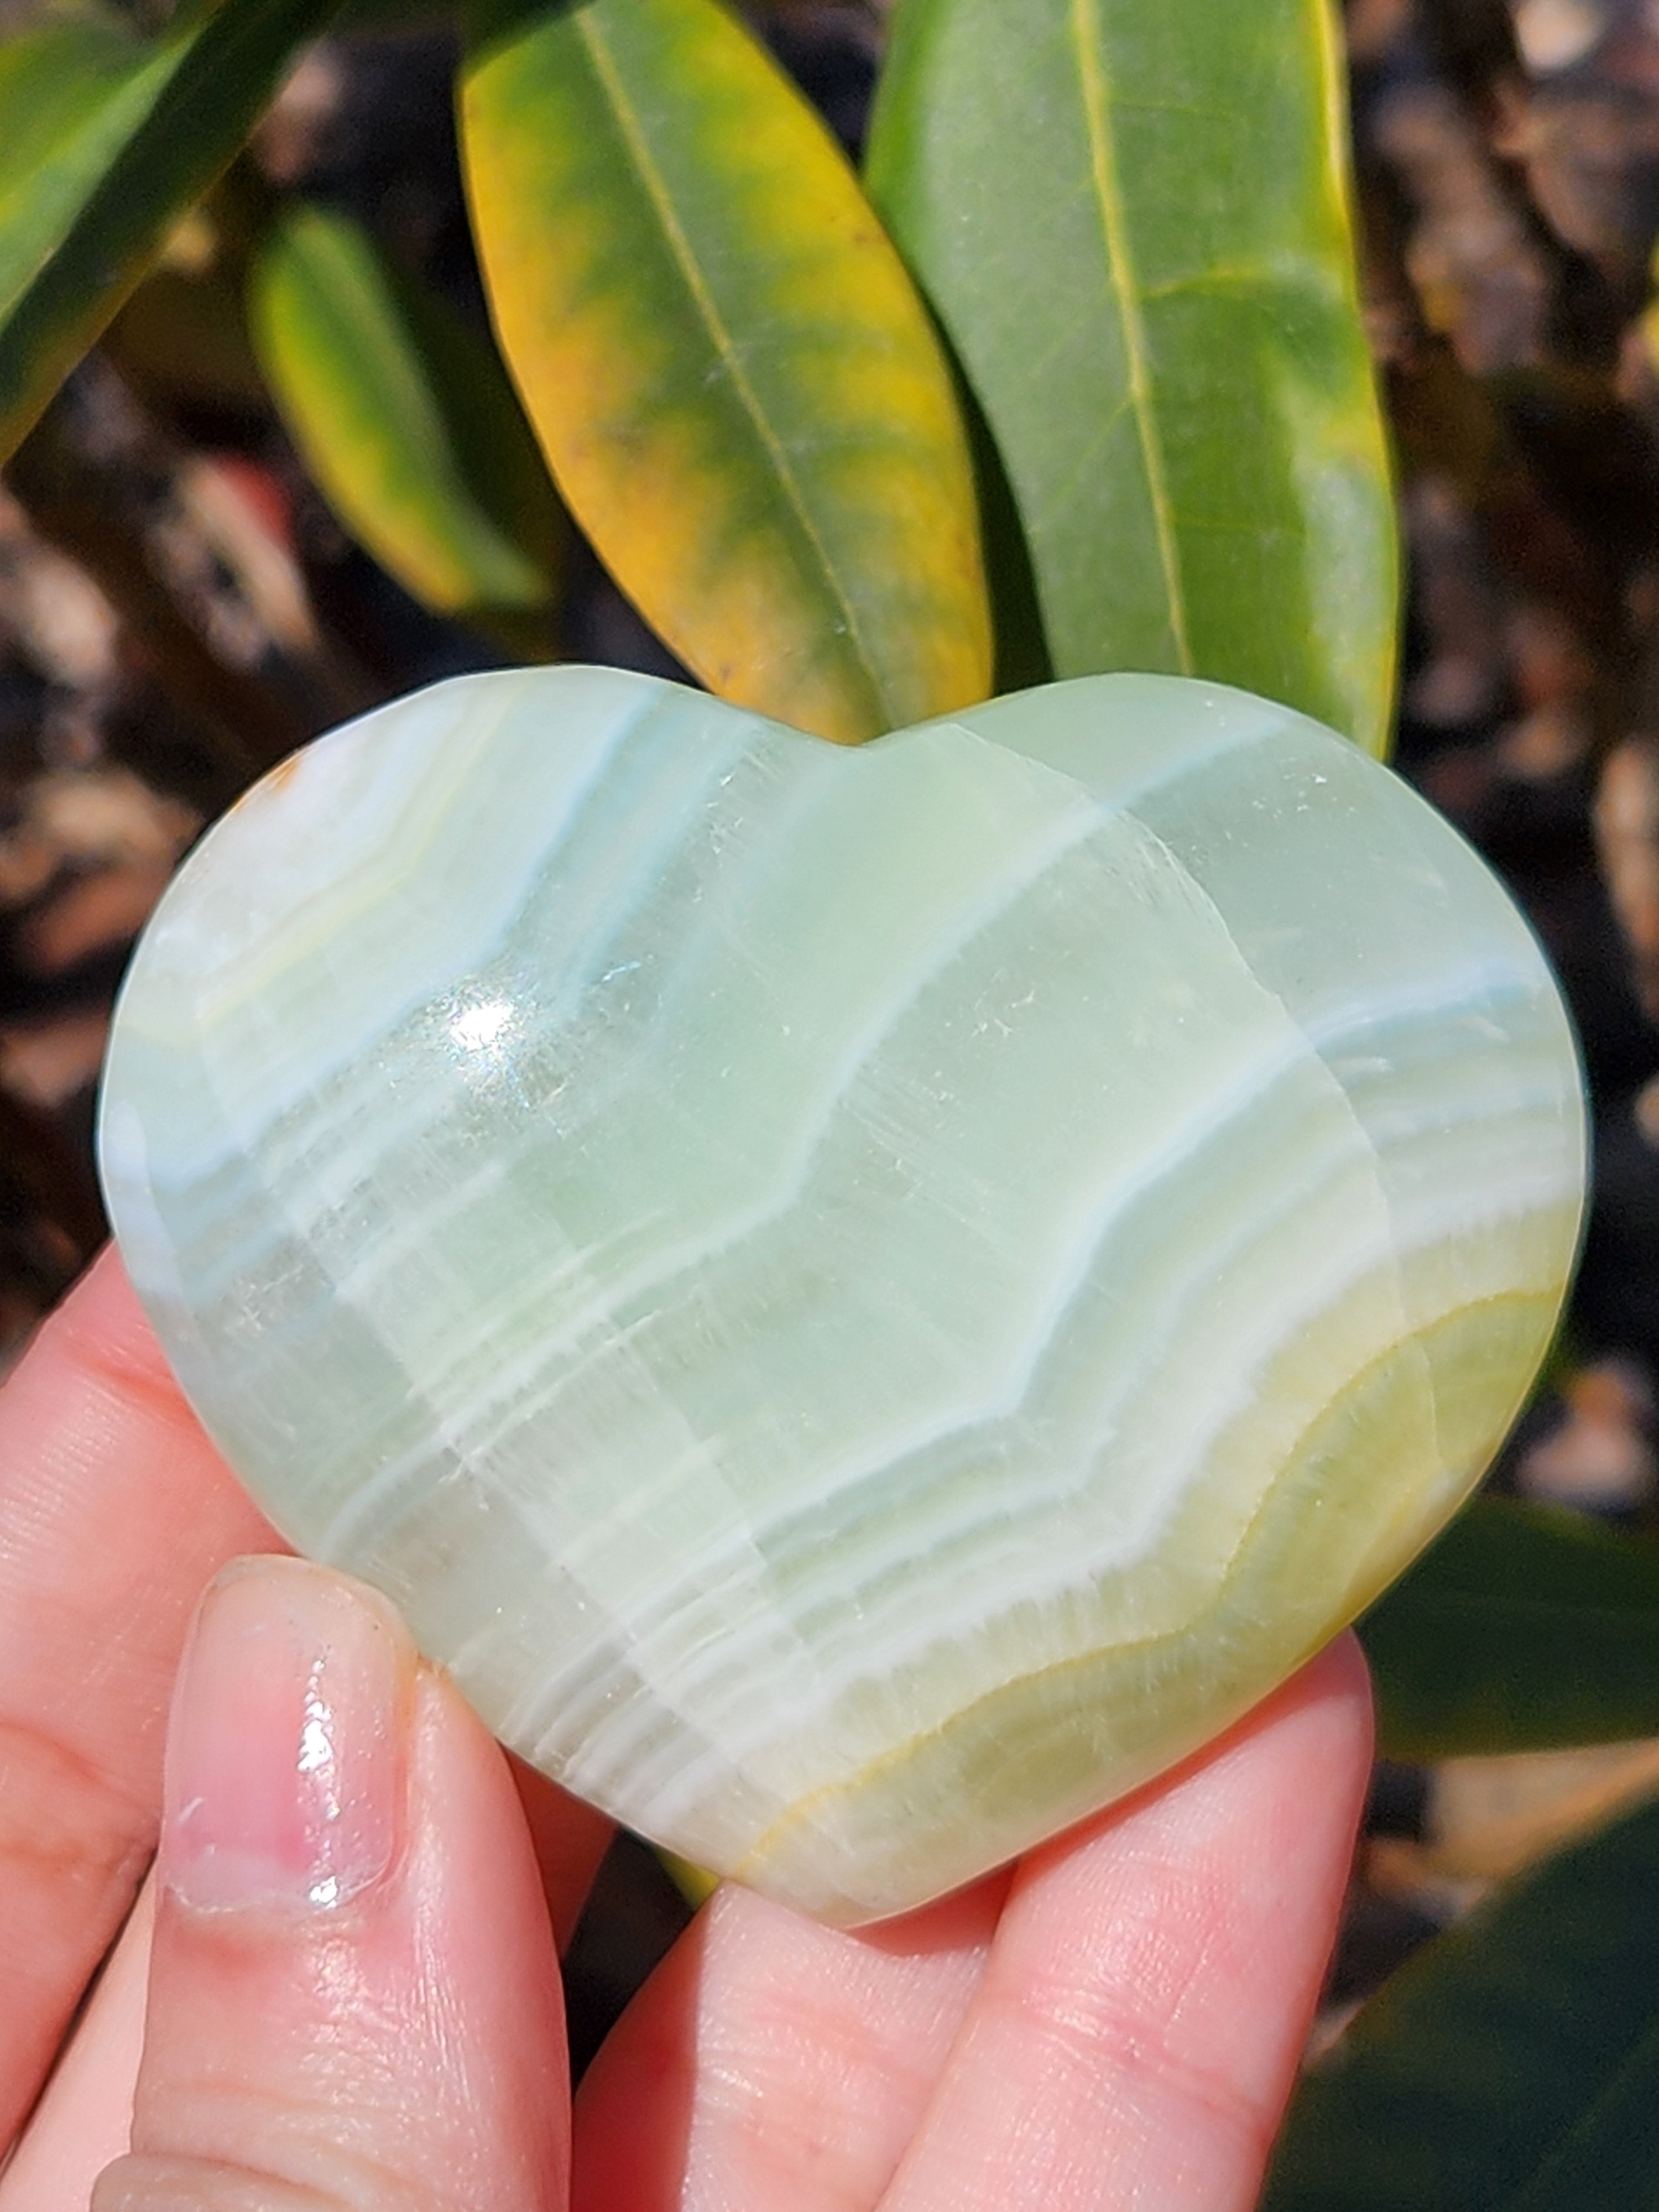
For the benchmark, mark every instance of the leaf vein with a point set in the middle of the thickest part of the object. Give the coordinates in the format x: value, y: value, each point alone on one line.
x: 725, y: 347
x: 1109, y: 194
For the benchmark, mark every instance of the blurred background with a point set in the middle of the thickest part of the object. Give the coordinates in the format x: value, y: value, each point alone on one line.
x: 179, y: 607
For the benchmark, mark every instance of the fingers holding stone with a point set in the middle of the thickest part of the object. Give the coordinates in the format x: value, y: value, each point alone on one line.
x: 114, y: 1511
x: 1138, y: 2023
x: 354, y: 1992
x: 84, y: 2117
x: 570, y: 1838
x: 771, y: 2062
x: 1119, y: 2023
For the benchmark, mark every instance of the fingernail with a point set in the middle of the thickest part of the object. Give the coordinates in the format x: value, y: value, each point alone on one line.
x: 286, y: 1758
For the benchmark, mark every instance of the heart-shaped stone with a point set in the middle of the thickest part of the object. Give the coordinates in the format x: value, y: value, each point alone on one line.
x: 863, y: 1302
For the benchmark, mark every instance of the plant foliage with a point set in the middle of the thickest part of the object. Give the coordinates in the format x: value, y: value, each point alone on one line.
x: 1076, y: 379
x: 741, y: 393
x: 407, y: 422
x: 105, y: 141
x: 1512, y: 2066
x: 1133, y: 223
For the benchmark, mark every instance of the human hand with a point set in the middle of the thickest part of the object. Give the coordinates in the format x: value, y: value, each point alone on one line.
x: 353, y: 1994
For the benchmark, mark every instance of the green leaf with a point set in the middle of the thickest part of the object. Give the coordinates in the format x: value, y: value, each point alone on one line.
x: 742, y: 398
x: 1512, y: 2066
x: 105, y: 141
x: 405, y: 418
x: 1132, y: 218
x: 1524, y: 1628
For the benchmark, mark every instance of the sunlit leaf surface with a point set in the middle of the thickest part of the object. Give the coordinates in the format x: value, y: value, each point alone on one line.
x: 104, y: 141
x: 1133, y: 222
x: 739, y: 392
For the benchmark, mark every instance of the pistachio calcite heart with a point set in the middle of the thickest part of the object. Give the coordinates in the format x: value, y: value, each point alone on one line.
x: 863, y: 1302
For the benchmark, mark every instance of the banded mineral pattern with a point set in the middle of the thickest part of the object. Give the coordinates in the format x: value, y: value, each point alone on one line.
x: 863, y: 1302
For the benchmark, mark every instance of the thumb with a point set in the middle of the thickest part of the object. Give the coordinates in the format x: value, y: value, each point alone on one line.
x: 354, y: 1995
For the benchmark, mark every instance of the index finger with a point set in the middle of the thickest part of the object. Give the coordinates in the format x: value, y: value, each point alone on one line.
x: 115, y: 1510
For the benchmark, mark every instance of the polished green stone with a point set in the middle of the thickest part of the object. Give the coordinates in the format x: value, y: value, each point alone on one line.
x: 864, y: 1302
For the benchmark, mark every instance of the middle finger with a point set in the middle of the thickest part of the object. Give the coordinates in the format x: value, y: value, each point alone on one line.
x: 771, y: 2062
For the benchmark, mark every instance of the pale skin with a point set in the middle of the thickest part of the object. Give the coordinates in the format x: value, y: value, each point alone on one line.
x: 358, y: 2006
